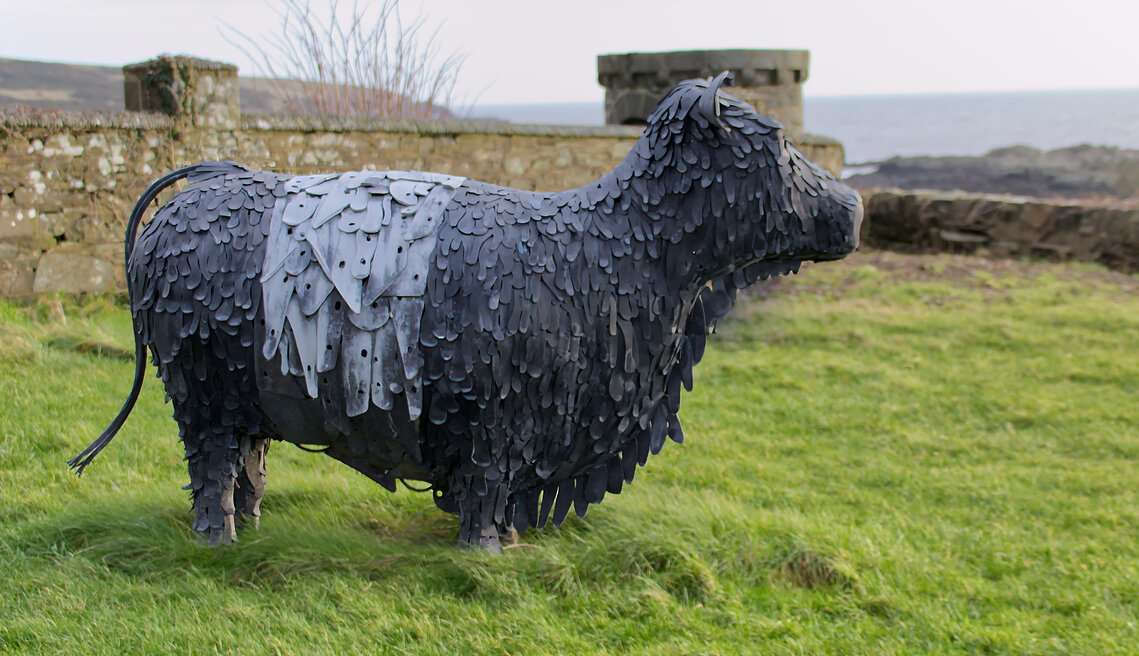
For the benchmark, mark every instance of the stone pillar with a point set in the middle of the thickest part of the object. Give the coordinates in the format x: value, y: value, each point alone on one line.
x: 771, y: 80
x: 196, y: 92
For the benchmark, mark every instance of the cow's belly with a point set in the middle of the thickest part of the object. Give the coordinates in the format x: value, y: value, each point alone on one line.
x: 380, y: 444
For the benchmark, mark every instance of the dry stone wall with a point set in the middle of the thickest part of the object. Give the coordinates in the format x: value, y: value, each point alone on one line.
x: 1003, y: 226
x: 69, y: 181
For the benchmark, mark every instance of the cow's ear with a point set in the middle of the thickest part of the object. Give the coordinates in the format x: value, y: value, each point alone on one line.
x: 709, y: 103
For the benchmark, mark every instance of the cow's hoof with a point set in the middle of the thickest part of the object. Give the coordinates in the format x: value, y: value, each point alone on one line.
x: 245, y: 522
x: 487, y: 541
x: 491, y: 545
x: 509, y: 537
x: 223, y: 535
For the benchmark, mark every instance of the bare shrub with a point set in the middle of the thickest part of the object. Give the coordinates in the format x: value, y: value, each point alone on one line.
x: 362, y: 60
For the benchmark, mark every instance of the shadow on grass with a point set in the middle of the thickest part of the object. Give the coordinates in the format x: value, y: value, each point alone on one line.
x: 405, y: 545
x: 152, y: 539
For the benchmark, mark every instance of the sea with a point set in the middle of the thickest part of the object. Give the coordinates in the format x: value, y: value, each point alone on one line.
x: 875, y: 128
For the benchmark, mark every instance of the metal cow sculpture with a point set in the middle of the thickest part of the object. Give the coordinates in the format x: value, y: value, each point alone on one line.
x: 520, y: 352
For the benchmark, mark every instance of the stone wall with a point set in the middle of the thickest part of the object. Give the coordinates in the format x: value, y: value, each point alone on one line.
x: 69, y: 181
x: 1003, y: 226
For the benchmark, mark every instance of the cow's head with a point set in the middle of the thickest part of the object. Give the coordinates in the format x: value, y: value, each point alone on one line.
x: 733, y: 188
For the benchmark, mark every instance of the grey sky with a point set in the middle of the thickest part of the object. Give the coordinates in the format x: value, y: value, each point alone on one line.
x: 544, y: 51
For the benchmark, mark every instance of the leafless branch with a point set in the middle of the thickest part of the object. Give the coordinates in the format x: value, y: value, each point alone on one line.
x: 362, y: 61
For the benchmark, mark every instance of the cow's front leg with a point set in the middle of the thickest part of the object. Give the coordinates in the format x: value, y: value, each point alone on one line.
x: 476, y: 530
x: 250, y: 484
x: 482, y: 504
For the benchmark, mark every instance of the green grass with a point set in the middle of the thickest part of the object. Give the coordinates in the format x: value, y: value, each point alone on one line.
x: 888, y: 455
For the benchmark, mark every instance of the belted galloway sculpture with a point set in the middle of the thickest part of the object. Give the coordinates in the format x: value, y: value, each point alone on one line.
x: 520, y: 352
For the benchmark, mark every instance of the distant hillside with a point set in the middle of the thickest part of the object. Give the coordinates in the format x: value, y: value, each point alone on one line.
x: 77, y: 87
x: 60, y: 86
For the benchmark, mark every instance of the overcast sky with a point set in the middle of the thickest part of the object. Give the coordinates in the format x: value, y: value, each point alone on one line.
x: 528, y: 51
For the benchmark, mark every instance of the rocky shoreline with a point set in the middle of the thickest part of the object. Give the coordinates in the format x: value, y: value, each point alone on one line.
x: 1076, y: 172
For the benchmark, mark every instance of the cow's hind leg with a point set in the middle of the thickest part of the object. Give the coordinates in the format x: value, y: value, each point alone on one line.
x: 215, y: 412
x: 250, y: 486
x: 212, y: 456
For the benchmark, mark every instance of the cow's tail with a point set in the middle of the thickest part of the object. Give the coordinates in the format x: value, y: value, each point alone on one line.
x: 194, y: 173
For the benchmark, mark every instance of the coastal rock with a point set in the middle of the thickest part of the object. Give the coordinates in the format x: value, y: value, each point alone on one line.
x: 1074, y: 172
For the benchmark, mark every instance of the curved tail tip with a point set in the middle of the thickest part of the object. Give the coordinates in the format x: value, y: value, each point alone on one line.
x: 78, y: 464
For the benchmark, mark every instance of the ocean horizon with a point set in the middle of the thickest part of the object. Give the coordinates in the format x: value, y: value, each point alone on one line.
x: 874, y: 128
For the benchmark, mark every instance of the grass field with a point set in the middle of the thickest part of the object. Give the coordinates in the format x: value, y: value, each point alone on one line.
x: 886, y: 455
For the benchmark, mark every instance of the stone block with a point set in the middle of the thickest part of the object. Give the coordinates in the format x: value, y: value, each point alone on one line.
x: 112, y: 252
x: 88, y: 227
x: 72, y: 273
x: 19, y: 223
x: 514, y: 166
x: 17, y: 280
x: 25, y: 197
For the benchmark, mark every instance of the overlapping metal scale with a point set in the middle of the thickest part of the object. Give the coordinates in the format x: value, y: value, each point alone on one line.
x: 345, y: 272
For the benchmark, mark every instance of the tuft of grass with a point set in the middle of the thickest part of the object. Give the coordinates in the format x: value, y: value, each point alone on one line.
x: 91, y: 347
x: 886, y: 455
x: 809, y: 568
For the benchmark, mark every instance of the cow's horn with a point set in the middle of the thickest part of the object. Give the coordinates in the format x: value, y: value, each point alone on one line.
x: 708, y: 102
